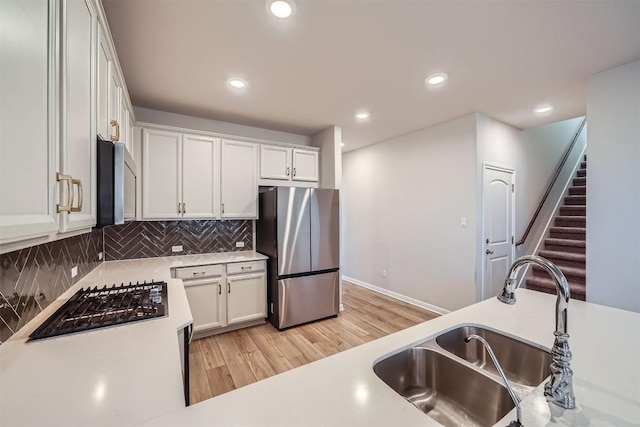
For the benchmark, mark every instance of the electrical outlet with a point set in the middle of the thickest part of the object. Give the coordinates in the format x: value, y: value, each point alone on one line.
x: 176, y: 248
x: 463, y: 222
x: 384, y: 273
x: 239, y: 244
x: 74, y: 271
x: 99, y: 256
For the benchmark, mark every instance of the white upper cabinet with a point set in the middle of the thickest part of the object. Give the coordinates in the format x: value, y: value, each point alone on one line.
x: 287, y: 165
x: 239, y: 182
x: 104, y: 127
x: 78, y: 130
x: 199, y: 176
x: 161, y: 174
x: 305, y: 165
x: 275, y: 162
x: 180, y: 176
x: 28, y: 162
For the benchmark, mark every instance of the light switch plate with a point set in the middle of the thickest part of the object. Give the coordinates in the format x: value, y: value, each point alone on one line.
x: 99, y: 256
x: 176, y: 248
x: 74, y: 271
x: 463, y: 222
x: 239, y: 244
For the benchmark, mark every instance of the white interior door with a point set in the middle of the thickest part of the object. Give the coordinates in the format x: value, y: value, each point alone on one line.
x: 498, y: 218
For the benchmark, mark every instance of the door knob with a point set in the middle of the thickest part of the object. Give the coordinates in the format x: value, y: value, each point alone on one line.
x: 488, y: 251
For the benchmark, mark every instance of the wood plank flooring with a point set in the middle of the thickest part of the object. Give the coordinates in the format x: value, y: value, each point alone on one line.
x: 221, y: 363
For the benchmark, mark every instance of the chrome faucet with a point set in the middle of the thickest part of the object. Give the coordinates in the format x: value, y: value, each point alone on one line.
x: 515, y: 399
x: 559, y: 388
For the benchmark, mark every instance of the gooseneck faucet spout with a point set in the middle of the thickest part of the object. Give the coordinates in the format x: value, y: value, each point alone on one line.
x: 559, y: 388
x: 515, y: 399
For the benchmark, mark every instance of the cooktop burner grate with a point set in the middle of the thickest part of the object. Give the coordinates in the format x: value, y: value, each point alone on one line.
x: 95, y: 308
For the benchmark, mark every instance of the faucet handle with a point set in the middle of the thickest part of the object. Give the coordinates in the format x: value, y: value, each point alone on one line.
x: 508, y: 295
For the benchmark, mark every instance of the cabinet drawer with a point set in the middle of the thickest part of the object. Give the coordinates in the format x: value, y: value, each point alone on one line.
x: 245, y: 267
x: 199, y: 271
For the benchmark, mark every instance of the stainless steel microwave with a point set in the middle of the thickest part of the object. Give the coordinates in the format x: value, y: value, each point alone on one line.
x: 116, y: 184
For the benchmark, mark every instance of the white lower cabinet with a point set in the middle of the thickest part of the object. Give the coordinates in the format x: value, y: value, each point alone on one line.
x: 223, y: 298
x: 246, y: 298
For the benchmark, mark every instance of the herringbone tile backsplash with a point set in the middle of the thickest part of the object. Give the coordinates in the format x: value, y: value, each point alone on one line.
x: 155, y: 238
x: 31, y: 278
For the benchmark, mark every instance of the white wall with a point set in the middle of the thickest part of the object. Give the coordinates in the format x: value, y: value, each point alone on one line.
x: 189, y: 122
x: 402, y: 203
x: 613, y: 188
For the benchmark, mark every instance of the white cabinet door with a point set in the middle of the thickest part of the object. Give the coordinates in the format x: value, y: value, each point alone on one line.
x: 275, y: 162
x: 206, y: 301
x: 27, y: 122
x: 114, y: 104
x: 77, y: 144
x: 161, y: 172
x: 199, y: 178
x: 103, y: 126
x: 305, y: 165
x: 239, y: 184
x: 246, y: 298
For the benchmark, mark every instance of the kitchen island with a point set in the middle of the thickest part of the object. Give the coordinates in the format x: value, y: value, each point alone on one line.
x: 130, y: 375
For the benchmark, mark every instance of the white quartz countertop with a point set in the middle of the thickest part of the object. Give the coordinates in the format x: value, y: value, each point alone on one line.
x: 130, y: 375
x: 116, y: 376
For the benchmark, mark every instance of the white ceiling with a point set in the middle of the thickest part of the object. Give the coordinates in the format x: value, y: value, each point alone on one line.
x: 333, y: 57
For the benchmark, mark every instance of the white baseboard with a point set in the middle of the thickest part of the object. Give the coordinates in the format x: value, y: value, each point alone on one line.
x: 396, y: 295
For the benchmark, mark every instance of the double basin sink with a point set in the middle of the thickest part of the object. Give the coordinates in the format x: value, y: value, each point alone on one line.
x: 456, y: 383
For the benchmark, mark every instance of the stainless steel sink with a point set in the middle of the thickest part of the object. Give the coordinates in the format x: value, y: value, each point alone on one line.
x: 448, y: 391
x: 522, y: 363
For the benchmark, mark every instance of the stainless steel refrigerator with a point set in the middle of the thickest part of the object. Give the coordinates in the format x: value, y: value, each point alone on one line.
x: 299, y: 230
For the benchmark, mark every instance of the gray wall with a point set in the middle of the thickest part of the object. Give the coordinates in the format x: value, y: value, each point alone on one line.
x: 613, y: 188
x: 402, y: 203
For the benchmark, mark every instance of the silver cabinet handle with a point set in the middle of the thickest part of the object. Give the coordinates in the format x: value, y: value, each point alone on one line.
x: 488, y: 251
x: 79, y: 184
x: 219, y: 289
x: 294, y: 171
x: 199, y: 273
x: 223, y: 208
x: 184, y: 208
x: 246, y: 268
x: 115, y: 137
x: 228, y: 287
x: 179, y: 207
x: 69, y: 205
x: 287, y: 171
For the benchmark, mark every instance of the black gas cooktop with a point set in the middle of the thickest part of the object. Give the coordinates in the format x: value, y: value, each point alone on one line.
x: 90, y: 309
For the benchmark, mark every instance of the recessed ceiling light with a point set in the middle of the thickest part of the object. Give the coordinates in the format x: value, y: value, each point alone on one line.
x: 543, y: 109
x: 437, y: 79
x: 361, y: 115
x: 281, y: 9
x: 237, y: 83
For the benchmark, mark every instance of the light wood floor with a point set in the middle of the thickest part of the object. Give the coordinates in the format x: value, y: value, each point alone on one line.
x: 221, y: 363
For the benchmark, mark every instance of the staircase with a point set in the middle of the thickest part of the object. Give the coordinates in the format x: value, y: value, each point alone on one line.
x: 566, y: 243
